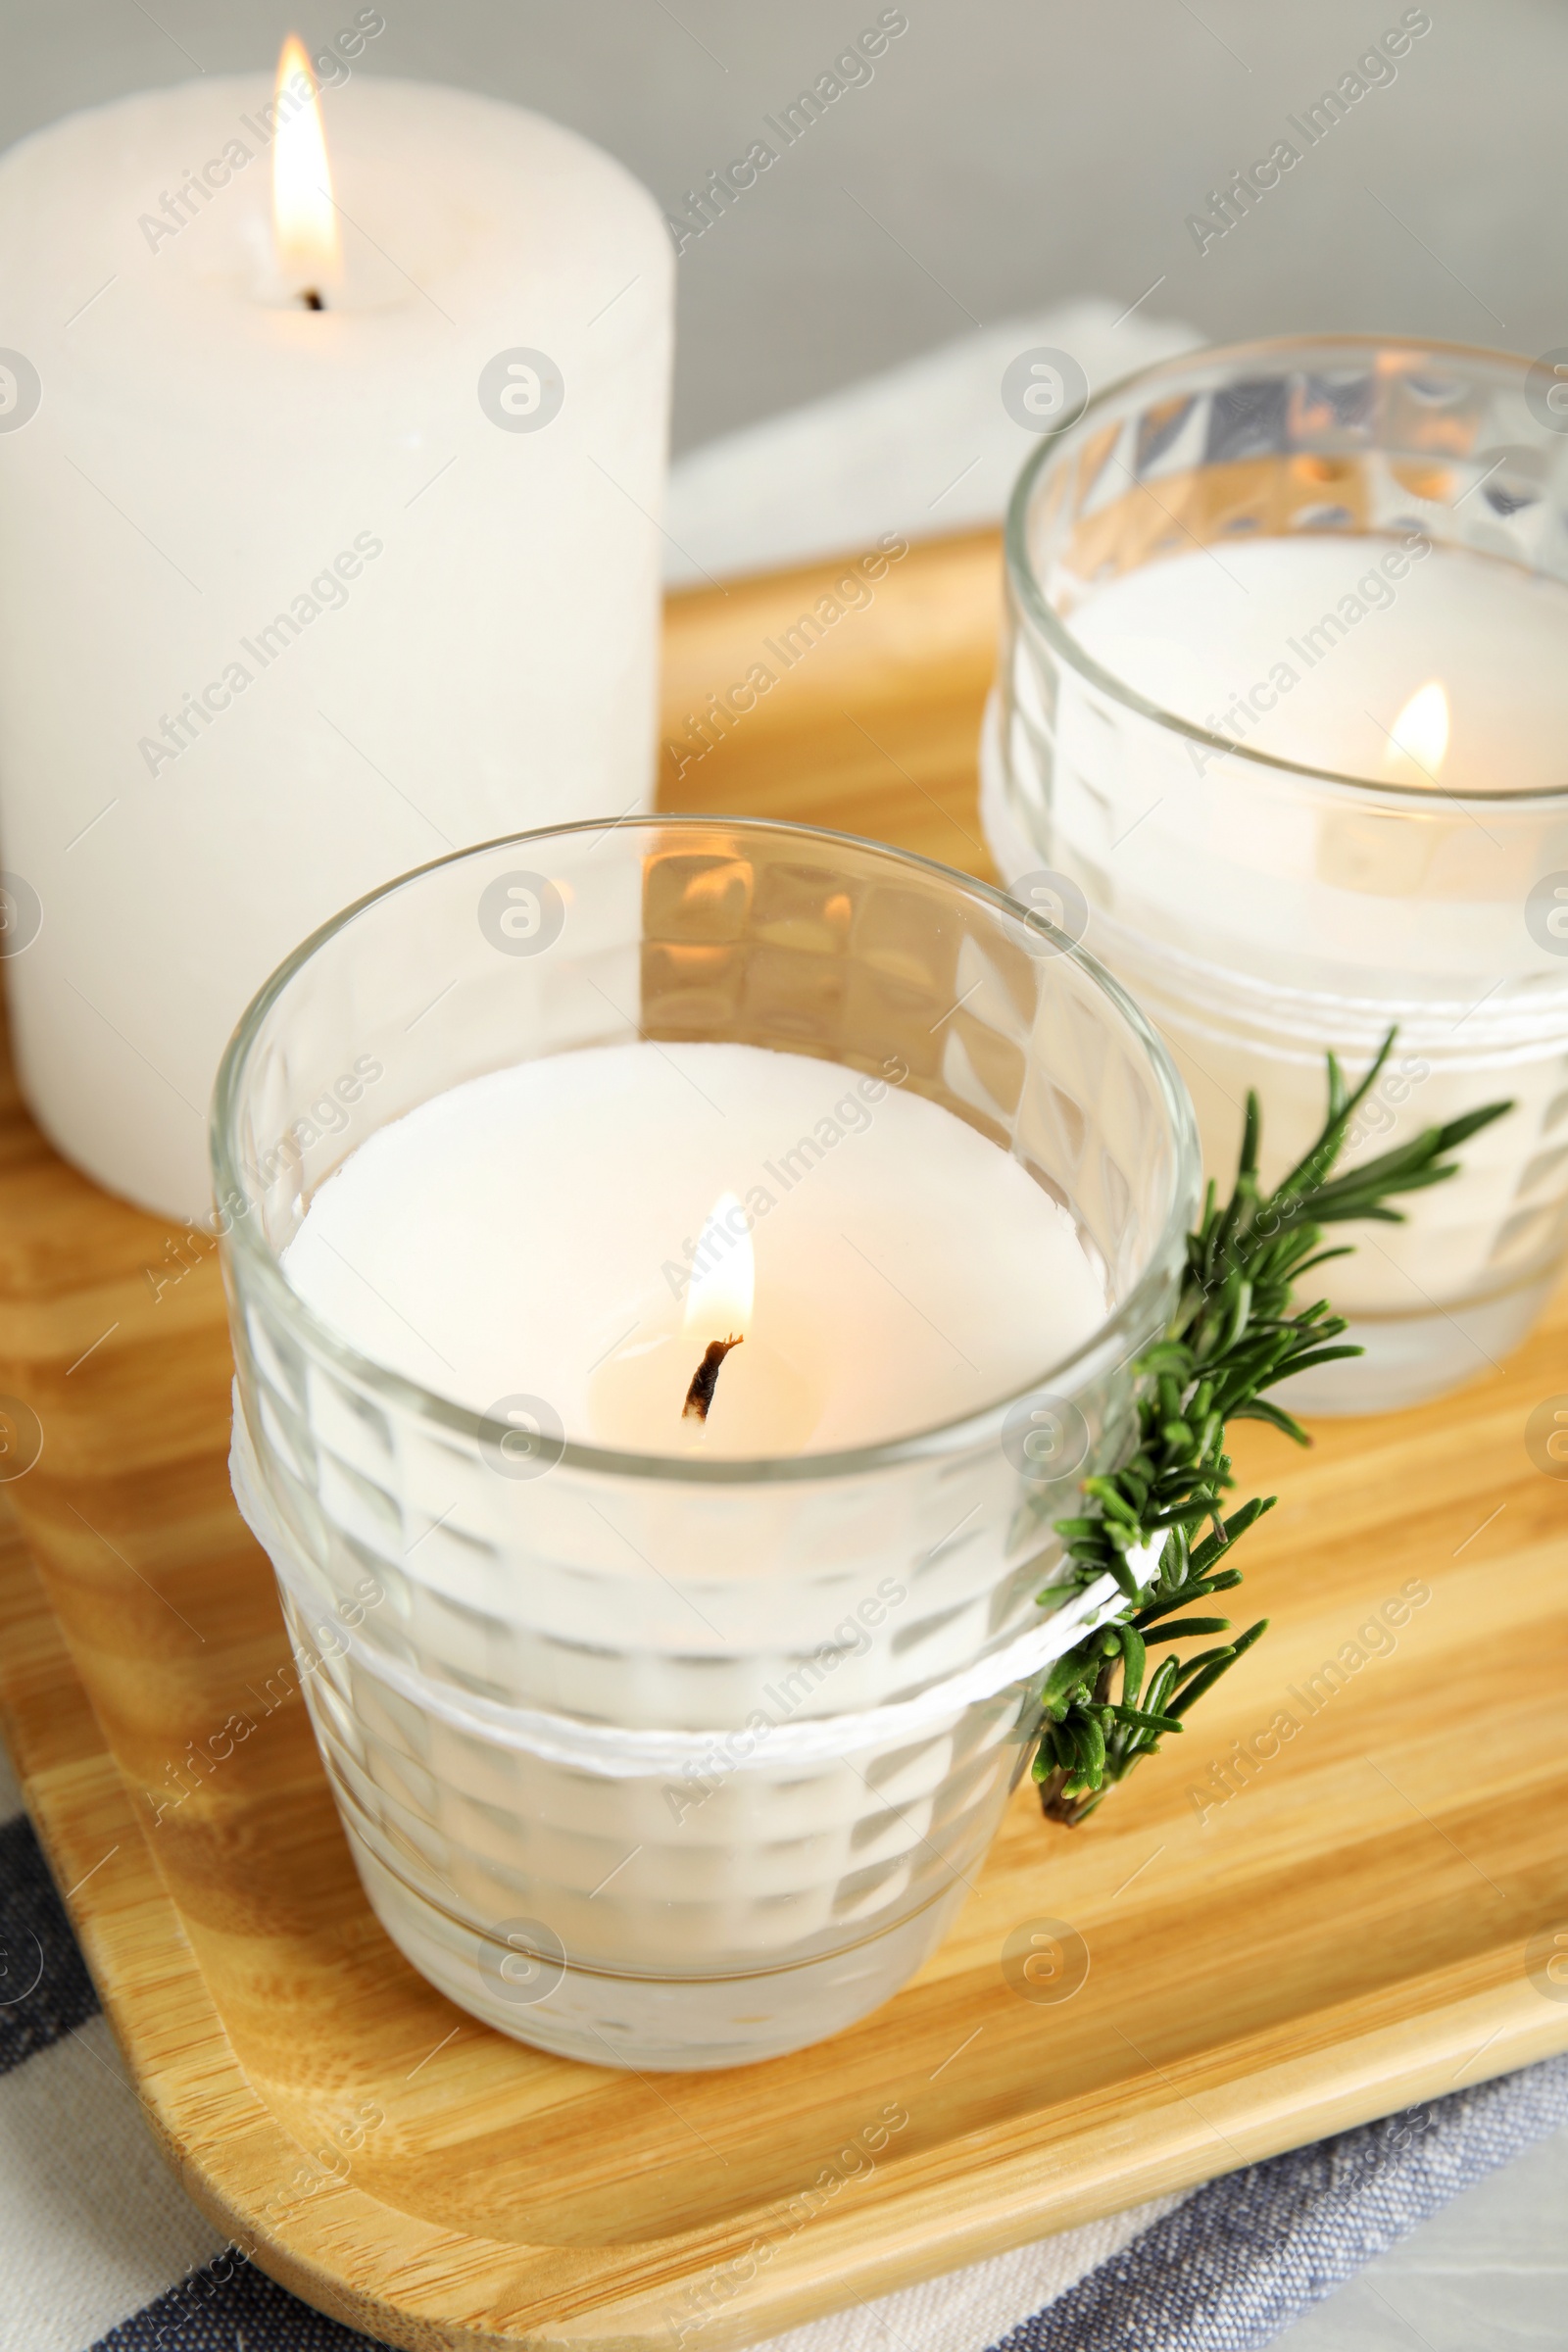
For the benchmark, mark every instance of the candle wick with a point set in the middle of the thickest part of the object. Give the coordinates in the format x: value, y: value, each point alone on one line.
x: 312, y: 300
x: 705, y: 1380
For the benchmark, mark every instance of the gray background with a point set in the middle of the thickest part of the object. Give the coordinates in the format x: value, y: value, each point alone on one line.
x: 1007, y: 153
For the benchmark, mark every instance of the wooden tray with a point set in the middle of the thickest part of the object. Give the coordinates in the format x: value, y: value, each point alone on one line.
x: 1347, y: 1933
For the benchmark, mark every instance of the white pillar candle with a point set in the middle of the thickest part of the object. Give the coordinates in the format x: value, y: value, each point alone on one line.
x: 292, y: 599
x: 547, y: 1231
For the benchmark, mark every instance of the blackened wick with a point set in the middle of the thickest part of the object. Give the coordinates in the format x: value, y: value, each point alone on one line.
x: 705, y: 1380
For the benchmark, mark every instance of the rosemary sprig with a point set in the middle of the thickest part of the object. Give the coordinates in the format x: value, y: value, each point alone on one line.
x: 1235, y: 1333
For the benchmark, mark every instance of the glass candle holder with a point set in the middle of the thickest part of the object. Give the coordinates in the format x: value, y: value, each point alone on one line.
x: 653, y: 1760
x: 1245, y: 590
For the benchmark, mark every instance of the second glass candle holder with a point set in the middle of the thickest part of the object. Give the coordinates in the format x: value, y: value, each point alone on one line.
x: 1280, y: 729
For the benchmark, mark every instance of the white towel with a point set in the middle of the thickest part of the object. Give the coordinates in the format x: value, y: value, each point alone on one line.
x: 926, y: 449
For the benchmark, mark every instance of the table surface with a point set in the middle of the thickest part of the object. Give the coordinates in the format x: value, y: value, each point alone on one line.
x: 1487, y: 2273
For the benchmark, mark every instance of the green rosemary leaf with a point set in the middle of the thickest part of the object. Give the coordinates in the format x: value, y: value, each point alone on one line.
x: 1065, y: 1672
x: 1125, y: 1577
x: 1225, y: 1650
x: 1187, y: 1625
x: 1169, y: 1603
x: 1235, y: 1526
x: 1236, y: 1331
x: 1319, y: 1355
x: 1160, y: 1688
x: 1459, y: 1131
x: 1320, y: 1258
x: 1260, y: 1409
x: 1142, y: 1720
x: 1189, y: 1514
x: 1107, y: 1492
x: 1309, y: 1170
x: 1222, y: 1664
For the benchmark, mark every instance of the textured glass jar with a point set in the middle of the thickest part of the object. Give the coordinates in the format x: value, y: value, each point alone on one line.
x: 1262, y: 911
x: 653, y: 1761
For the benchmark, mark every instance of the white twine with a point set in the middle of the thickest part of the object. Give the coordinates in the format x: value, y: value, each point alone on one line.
x: 617, y: 1752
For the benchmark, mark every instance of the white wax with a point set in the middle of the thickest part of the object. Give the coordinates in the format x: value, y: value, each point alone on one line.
x: 1259, y: 921
x: 1308, y: 649
x: 284, y: 609
x: 528, y: 1234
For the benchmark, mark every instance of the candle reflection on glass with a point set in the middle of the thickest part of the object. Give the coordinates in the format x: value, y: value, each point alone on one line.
x: 1418, y: 739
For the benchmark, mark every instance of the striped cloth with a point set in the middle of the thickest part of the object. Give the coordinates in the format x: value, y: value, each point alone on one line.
x: 102, y: 2250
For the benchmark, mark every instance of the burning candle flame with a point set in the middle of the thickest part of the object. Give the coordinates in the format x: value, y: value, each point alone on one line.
x: 718, y: 1304
x: 1420, y: 733
x: 303, y: 217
